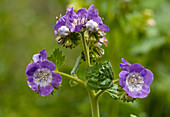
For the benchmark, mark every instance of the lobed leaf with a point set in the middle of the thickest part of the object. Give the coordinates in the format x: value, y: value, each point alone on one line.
x: 57, y: 58
x: 99, y: 76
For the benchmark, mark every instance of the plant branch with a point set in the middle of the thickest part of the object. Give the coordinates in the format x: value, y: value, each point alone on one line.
x: 86, y: 50
x: 71, y: 77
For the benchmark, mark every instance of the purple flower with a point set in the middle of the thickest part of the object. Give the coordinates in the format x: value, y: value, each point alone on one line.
x: 135, y: 79
x: 40, y: 78
x: 73, y: 22
x: 95, y: 20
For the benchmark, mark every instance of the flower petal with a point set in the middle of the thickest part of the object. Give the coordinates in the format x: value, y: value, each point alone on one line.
x: 144, y: 92
x: 43, y: 54
x: 36, y: 57
x: 44, y: 91
x: 56, y: 79
x: 132, y: 94
x: 122, y: 78
x: 148, y: 77
x: 31, y: 68
x: 103, y: 27
x: 136, y: 68
x: 48, y: 64
x: 31, y: 84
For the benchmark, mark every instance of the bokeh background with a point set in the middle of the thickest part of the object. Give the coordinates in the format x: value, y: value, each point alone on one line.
x: 139, y: 32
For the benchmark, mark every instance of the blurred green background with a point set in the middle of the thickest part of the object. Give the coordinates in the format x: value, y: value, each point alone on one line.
x: 139, y: 32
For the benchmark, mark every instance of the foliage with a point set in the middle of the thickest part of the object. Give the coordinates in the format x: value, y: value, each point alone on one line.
x: 57, y: 58
x: 99, y: 76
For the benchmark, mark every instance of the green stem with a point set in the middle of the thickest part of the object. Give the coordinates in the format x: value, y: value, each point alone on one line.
x: 114, y: 81
x: 71, y: 77
x: 92, y: 95
x: 86, y: 50
x: 94, y: 103
x: 99, y: 93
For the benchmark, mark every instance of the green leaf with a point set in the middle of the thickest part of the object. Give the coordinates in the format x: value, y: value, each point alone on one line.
x: 116, y: 92
x: 99, y: 76
x: 57, y: 58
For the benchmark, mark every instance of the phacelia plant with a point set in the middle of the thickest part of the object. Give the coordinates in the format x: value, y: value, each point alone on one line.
x: 87, y: 28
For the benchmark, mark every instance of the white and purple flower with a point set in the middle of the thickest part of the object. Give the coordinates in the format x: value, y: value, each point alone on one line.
x: 75, y: 21
x: 135, y: 79
x: 40, y: 78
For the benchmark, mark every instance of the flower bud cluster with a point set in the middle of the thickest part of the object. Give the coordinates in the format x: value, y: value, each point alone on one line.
x: 69, y: 27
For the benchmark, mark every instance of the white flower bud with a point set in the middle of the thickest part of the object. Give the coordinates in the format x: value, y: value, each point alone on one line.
x: 92, y: 26
x: 63, y: 31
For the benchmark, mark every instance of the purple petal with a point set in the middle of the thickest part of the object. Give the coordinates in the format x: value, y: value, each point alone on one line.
x: 70, y: 15
x: 36, y: 58
x: 82, y: 13
x: 136, y: 68
x: 56, y: 79
x: 31, y: 84
x: 48, y: 64
x: 148, y: 77
x: 122, y: 78
x: 77, y: 28
x: 124, y: 66
x: 58, y: 25
x: 124, y: 61
x: 43, y: 54
x: 103, y: 27
x: 44, y: 91
x: 144, y: 92
x: 31, y: 68
x: 132, y: 94
x: 92, y: 11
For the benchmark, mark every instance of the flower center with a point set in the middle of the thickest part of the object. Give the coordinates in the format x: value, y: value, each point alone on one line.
x: 134, y: 81
x: 42, y: 77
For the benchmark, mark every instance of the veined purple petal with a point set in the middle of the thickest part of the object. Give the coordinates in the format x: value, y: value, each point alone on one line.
x: 136, y: 68
x: 43, y: 54
x: 124, y: 61
x: 144, y: 92
x: 58, y: 25
x: 44, y: 91
x: 82, y: 13
x: 48, y: 64
x: 132, y: 94
x: 122, y: 78
x: 77, y: 28
x: 31, y: 84
x: 56, y: 79
x: 103, y: 27
x: 70, y: 15
x: 92, y: 11
x: 148, y: 77
x: 31, y: 68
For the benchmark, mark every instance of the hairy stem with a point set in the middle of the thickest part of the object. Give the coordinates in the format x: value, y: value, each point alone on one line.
x: 71, y: 77
x: 114, y: 81
x: 94, y: 104
x: 86, y: 50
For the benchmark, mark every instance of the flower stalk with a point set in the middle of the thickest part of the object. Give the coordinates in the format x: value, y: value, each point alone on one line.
x: 71, y: 77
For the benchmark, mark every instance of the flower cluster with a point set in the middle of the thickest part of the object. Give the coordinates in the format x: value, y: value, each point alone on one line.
x: 41, y: 79
x: 135, y: 79
x: 68, y: 26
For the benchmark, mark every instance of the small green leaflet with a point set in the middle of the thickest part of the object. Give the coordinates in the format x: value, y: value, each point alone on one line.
x: 99, y: 76
x: 116, y: 92
x: 57, y: 58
